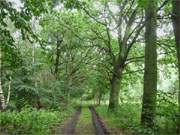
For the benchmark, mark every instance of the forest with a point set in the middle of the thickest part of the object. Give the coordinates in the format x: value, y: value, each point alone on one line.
x: 89, y: 67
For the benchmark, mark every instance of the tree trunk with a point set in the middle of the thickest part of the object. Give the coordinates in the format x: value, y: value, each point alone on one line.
x: 56, y: 71
x: 2, y: 99
x: 114, y: 90
x: 150, y: 73
x: 176, y: 26
x: 9, y: 91
x: 99, y: 98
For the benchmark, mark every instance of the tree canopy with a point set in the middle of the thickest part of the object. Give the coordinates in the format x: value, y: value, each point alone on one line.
x: 122, y: 56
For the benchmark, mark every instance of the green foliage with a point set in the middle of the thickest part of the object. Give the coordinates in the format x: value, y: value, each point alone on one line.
x: 166, y: 112
x: 28, y: 121
x: 128, y: 116
x: 123, y: 118
x: 85, y: 66
x: 142, y: 3
x: 19, y: 19
x: 32, y: 121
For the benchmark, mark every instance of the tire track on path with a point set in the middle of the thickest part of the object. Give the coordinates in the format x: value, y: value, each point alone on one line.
x: 99, y: 127
x: 70, y: 126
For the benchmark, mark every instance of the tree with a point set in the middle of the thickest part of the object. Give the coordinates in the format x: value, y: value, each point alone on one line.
x: 150, y: 73
x: 21, y: 21
x: 176, y: 26
x: 2, y: 98
x: 58, y: 44
x: 128, y: 28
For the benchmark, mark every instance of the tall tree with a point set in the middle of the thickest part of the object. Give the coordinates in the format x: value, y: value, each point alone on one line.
x: 125, y: 22
x: 176, y: 26
x: 2, y: 98
x: 150, y: 73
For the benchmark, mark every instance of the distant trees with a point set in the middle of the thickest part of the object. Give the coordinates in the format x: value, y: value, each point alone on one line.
x: 67, y: 50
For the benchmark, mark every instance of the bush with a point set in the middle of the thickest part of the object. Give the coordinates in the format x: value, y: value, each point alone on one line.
x: 128, y: 117
x: 30, y: 121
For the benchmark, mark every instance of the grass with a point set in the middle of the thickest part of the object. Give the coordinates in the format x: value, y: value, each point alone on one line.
x: 31, y: 121
x: 128, y: 119
x: 85, y: 125
x: 126, y: 115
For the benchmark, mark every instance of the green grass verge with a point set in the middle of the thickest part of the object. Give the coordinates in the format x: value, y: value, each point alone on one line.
x: 31, y: 121
x: 128, y: 119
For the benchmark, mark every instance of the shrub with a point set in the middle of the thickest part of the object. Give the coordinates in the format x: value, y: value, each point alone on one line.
x: 29, y: 121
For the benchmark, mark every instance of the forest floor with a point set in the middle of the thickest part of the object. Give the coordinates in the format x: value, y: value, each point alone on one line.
x: 85, y: 121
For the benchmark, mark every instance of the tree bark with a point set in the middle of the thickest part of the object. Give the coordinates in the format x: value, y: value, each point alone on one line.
x: 150, y: 73
x: 176, y: 26
x: 56, y: 71
x: 114, y: 94
x: 115, y: 87
x: 99, y: 98
x: 9, y: 91
x: 2, y: 98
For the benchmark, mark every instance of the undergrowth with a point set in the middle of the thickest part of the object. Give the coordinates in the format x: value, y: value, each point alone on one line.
x: 127, y: 118
x: 31, y: 121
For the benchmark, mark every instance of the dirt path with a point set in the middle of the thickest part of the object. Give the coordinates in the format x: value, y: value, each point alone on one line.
x: 69, y: 127
x: 85, y: 121
x: 85, y: 124
x: 99, y: 126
